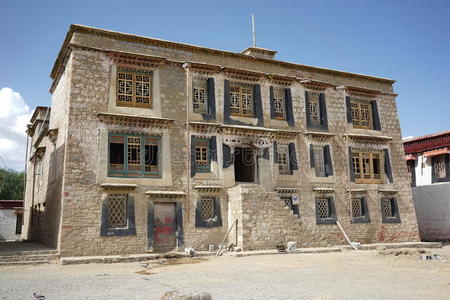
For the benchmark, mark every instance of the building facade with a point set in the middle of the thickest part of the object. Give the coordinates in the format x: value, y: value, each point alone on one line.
x: 154, y: 145
x: 428, y: 161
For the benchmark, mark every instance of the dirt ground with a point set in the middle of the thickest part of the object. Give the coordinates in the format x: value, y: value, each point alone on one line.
x: 346, y: 275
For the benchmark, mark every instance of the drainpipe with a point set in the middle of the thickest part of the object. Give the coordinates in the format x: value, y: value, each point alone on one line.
x: 186, y: 66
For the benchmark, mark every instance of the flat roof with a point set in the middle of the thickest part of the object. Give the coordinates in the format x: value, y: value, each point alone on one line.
x: 138, y: 38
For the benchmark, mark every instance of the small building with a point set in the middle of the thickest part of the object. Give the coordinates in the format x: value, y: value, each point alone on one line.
x: 428, y: 162
x: 11, y: 220
x: 151, y: 145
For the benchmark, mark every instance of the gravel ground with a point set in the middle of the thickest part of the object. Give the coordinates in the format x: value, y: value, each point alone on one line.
x: 346, y: 275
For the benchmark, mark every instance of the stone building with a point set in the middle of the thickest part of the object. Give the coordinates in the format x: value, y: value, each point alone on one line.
x: 279, y: 150
x: 428, y: 162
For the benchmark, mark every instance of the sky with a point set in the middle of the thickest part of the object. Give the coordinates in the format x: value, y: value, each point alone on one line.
x: 408, y: 41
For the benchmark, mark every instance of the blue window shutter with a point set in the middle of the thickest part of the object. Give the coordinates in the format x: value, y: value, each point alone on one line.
x: 193, y: 156
x: 226, y: 101
x: 328, y: 163
x: 272, y: 108
x: 308, y: 117
x: 349, y: 109
x: 257, y: 105
x: 350, y: 165
x: 312, y: 163
x: 293, y: 165
x: 375, y: 116
x: 275, y: 153
x: 387, y: 166
x: 323, y: 111
x: 289, y: 110
x: 211, y: 115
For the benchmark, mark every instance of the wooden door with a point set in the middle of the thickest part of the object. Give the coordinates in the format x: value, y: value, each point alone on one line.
x: 165, y: 226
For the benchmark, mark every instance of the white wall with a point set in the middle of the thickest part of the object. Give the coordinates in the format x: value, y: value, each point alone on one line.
x: 8, y: 225
x: 423, y: 170
x: 432, y: 203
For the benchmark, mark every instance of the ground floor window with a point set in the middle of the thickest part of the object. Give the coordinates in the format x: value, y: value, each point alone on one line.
x: 117, y: 210
x: 325, y: 211
x: 117, y: 215
x: 360, y: 211
x: 208, y: 212
x: 389, y: 210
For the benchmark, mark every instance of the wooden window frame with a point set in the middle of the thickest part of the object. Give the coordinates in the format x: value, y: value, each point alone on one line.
x: 124, y: 198
x: 134, y: 97
x: 358, y: 201
x: 279, y: 103
x: 199, y: 85
x: 319, y: 160
x: 361, y: 174
x: 204, y: 145
x: 439, y: 167
x: 313, y: 108
x: 358, y: 111
x: 145, y: 170
x: 283, y: 159
x: 212, y: 204
x: 239, y: 90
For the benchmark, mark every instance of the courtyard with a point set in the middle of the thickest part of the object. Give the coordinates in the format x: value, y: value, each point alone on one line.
x: 375, y: 274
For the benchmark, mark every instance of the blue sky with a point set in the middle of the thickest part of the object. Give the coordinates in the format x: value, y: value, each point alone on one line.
x: 405, y: 40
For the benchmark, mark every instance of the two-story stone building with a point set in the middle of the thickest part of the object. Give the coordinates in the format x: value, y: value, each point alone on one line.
x: 281, y: 150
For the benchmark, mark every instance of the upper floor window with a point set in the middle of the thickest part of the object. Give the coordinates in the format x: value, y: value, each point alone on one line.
x: 200, y: 95
x: 316, y: 112
x: 241, y: 99
x: 361, y: 114
x: 320, y: 156
x: 133, y: 155
x: 279, y: 107
x: 439, y: 167
x: 313, y: 109
x: 202, y: 155
x: 283, y: 159
x: 366, y: 166
x: 134, y: 88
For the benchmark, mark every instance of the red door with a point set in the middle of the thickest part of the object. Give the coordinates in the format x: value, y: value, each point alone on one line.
x: 165, y: 226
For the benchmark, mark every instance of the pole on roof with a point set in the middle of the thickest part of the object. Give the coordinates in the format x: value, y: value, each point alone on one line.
x: 253, y: 30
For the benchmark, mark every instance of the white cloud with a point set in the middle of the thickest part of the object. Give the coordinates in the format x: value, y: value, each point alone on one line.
x: 14, y: 116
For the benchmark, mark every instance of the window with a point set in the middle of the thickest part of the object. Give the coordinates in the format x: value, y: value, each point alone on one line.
x: 366, y: 166
x: 389, y: 210
x: 241, y: 100
x: 208, y: 212
x: 319, y: 163
x: 320, y: 157
x: 325, y: 212
x: 314, y: 108
x: 361, y: 114
x: 357, y: 208
x: 278, y: 104
x: 133, y: 155
x: 283, y: 159
x: 202, y: 155
x: 133, y: 88
x: 411, y: 165
x: 199, y: 95
x: 117, y: 210
x: 439, y: 167
x: 207, y: 208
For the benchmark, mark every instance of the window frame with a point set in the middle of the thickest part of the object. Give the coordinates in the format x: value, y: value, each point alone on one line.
x: 364, y: 217
x: 200, y: 84
x: 216, y: 220
x: 358, y: 166
x: 207, y: 168
x: 279, y: 95
x: 134, y: 73
x: 395, y: 216
x: 356, y: 106
x: 125, y: 211
x: 283, y: 168
x: 319, y: 149
x: 242, y: 113
x: 331, y: 219
x: 314, y: 100
x: 125, y: 172
x: 443, y: 167
x: 105, y: 229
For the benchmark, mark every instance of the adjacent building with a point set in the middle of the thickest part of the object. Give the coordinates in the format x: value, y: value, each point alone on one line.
x: 428, y: 161
x: 152, y: 145
x: 11, y: 219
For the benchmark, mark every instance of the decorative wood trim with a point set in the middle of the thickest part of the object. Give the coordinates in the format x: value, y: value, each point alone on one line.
x: 135, y: 60
x: 203, y: 127
x: 258, y: 131
x: 315, y: 84
x: 242, y: 74
x: 387, y: 191
x: 118, y: 186
x: 323, y: 190
x: 134, y: 121
x: 208, y: 188
x: 369, y: 139
x: 165, y: 195
x: 357, y: 191
x: 318, y: 136
x: 204, y: 69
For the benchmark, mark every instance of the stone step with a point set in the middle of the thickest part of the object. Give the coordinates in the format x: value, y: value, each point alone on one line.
x: 35, y: 252
x: 25, y: 258
x: 30, y: 262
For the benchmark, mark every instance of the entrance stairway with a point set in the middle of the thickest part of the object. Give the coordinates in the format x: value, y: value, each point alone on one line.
x: 29, y: 258
x: 264, y: 220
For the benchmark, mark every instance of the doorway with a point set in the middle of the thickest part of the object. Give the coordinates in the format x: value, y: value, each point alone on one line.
x: 165, y: 226
x: 244, y: 164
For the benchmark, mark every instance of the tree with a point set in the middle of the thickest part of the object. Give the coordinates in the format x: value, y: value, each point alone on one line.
x: 11, y: 185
